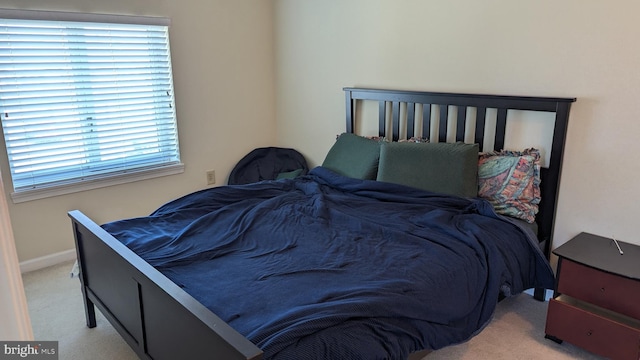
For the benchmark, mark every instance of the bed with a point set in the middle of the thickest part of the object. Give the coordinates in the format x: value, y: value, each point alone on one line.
x: 217, y: 280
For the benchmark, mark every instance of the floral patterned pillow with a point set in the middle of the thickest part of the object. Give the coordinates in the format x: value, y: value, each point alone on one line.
x: 415, y: 139
x: 510, y: 181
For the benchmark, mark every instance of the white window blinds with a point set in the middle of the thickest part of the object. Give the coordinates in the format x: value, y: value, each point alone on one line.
x: 80, y: 101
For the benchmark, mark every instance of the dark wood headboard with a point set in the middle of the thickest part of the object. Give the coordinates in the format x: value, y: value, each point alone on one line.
x: 420, y: 116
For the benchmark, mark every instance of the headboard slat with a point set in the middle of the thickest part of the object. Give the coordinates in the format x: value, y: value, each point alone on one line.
x: 501, y: 127
x: 411, y: 120
x: 462, y: 119
x: 382, y: 118
x: 481, y: 115
x: 395, y: 111
x: 426, y: 120
x: 442, y: 127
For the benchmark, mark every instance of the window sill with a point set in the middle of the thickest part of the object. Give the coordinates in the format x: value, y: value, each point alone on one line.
x: 29, y: 195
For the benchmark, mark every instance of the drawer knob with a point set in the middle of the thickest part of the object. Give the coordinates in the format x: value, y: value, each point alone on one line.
x: 602, y: 289
x: 589, y: 333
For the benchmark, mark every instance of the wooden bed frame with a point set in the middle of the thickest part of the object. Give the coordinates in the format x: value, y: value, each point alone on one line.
x: 159, y: 320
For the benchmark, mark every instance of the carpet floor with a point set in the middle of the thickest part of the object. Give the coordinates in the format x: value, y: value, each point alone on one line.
x: 57, y: 313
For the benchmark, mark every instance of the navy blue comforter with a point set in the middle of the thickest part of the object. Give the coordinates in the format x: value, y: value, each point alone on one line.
x: 328, y: 267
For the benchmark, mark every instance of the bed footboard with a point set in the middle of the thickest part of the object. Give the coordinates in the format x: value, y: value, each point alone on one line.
x: 154, y: 316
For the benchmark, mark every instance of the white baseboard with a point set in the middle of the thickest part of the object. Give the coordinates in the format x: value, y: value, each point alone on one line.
x: 47, y: 260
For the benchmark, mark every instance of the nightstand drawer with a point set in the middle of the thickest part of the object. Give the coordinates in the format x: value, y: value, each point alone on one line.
x: 569, y: 320
x: 610, y: 291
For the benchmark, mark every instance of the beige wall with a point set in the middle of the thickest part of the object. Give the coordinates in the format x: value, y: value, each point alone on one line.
x: 569, y: 48
x: 223, y: 67
x: 224, y: 72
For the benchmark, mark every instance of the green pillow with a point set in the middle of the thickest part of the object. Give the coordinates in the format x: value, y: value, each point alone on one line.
x: 449, y: 168
x: 354, y: 156
x: 289, y: 174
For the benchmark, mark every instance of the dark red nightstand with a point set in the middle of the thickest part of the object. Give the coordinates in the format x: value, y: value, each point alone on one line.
x: 596, y: 304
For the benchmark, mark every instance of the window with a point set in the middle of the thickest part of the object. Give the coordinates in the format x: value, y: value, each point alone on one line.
x: 85, y: 103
